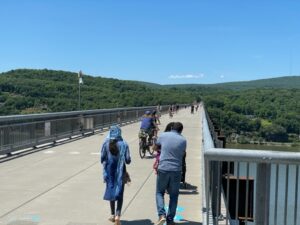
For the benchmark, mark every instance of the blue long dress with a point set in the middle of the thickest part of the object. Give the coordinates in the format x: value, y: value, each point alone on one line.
x: 113, y: 169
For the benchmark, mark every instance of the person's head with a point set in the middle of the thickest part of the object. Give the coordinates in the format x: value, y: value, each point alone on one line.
x: 178, y: 127
x: 153, y: 112
x: 169, y: 127
x: 115, y: 132
x: 148, y: 113
x: 114, y: 136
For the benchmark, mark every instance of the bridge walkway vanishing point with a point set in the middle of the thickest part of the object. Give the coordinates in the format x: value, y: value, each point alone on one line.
x: 63, y: 185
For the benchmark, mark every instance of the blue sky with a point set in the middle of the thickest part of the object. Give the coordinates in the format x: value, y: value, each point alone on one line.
x: 159, y: 41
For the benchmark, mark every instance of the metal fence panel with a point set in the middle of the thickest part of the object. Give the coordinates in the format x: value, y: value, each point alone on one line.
x: 271, y: 181
x: 25, y: 131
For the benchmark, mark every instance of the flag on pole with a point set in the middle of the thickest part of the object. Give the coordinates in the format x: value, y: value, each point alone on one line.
x: 80, y: 77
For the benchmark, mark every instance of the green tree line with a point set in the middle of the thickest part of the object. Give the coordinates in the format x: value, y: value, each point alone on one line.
x: 266, y: 109
x: 32, y: 91
x: 269, y: 113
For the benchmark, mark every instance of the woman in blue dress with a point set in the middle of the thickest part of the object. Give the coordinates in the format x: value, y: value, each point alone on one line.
x: 114, y: 155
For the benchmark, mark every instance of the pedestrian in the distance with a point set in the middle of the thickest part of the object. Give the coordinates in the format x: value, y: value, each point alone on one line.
x: 114, y: 155
x: 173, y: 147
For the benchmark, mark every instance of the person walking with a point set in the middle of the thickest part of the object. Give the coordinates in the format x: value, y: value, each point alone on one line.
x: 115, y: 155
x: 158, y: 110
x: 156, y: 162
x: 192, y: 108
x: 170, y: 111
x: 173, y: 148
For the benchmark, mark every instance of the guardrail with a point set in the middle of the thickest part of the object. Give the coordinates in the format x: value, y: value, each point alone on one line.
x: 28, y: 131
x: 254, y: 186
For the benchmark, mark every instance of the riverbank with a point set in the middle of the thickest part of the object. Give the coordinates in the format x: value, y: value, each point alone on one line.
x: 285, y: 144
x: 271, y: 146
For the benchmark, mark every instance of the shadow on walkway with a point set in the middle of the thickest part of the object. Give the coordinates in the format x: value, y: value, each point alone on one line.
x: 137, y: 222
x: 149, y: 222
x: 193, y: 192
x: 188, y: 189
x: 186, y: 222
x: 188, y: 186
x: 150, y: 156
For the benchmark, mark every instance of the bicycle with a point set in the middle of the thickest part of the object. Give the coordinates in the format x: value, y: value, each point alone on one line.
x: 145, y: 143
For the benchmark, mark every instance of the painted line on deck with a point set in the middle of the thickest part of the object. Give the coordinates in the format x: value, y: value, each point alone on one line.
x: 95, y: 153
x: 138, y: 191
x: 74, y: 153
x: 49, y: 152
x: 48, y: 190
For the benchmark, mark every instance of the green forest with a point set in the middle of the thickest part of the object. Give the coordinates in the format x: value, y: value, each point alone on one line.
x: 261, y: 110
x: 257, y: 114
x: 35, y: 91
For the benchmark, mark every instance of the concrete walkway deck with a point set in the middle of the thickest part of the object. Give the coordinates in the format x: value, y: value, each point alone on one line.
x: 63, y: 185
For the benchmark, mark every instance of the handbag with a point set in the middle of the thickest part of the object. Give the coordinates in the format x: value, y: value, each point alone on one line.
x: 126, y: 178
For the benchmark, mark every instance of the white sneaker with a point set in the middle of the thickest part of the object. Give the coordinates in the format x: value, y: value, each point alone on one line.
x: 161, y: 220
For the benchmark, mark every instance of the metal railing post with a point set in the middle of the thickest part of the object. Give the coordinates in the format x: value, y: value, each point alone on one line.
x: 262, y: 194
x: 207, y: 189
x: 215, y: 190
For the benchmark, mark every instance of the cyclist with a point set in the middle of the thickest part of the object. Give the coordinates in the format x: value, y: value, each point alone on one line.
x: 148, y: 125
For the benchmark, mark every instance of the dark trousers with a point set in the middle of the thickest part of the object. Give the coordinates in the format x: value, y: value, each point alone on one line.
x: 119, y: 205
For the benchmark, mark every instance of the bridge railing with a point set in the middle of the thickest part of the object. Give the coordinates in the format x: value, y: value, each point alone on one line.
x: 249, y: 186
x: 27, y: 131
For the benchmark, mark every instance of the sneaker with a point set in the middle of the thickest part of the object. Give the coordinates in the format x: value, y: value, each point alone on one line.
x: 112, y: 218
x: 117, y: 222
x: 161, y: 220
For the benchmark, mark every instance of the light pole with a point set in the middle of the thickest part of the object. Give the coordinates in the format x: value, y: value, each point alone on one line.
x: 80, y: 81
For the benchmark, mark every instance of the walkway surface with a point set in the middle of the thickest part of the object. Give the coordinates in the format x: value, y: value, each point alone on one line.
x: 63, y: 185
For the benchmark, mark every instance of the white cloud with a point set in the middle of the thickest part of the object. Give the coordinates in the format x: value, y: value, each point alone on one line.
x: 187, y: 76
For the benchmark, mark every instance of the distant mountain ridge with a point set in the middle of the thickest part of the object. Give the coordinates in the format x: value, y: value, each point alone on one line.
x: 278, y: 82
x: 24, y: 91
x: 267, y: 108
x: 289, y: 82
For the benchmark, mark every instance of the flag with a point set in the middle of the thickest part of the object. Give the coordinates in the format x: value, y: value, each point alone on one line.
x: 80, y: 77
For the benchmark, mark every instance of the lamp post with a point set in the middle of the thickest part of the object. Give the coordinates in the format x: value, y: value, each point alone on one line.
x: 80, y: 81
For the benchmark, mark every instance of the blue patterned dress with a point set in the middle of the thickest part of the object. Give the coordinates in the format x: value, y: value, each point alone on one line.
x: 114, y: 168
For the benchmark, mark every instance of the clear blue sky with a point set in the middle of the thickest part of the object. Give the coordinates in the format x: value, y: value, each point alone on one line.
x: 160, y: 41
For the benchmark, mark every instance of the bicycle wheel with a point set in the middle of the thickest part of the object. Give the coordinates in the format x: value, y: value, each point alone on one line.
x: 150, y: 150
x: 142, y: 148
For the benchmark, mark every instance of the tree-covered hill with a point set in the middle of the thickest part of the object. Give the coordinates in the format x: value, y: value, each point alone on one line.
x: 266, y: 109
x: 253, y: 114
x: 287, y: 82
x: 32, y: 91
x: 259, y: 110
